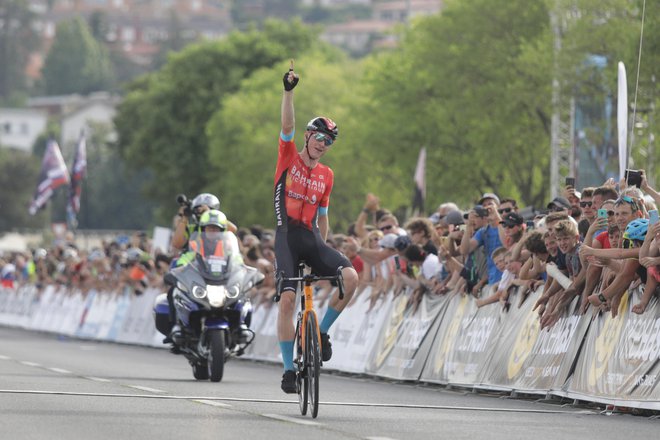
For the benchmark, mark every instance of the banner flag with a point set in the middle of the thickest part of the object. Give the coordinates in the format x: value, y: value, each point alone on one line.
x: 420, y: 183
x: 622, y: 119
x: 53, y: 174
x: 78, y: 173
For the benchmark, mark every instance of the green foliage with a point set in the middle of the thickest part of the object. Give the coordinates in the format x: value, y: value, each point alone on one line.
x: 161, y: 123
x: 76, y: 63
x: 18, y: 180
x: 17, y: 40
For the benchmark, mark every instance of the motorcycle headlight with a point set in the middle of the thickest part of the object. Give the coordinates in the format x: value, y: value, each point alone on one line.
x: 233, y: 291
x: 199, y: 292
x: 217, y: 295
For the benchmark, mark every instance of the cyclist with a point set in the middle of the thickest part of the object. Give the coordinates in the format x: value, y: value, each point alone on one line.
x: 301, y: 193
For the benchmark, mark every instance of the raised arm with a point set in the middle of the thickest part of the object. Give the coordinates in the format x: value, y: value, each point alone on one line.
x: 288, y: 118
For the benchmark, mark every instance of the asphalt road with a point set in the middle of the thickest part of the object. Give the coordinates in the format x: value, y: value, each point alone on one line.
x: 58, y: 388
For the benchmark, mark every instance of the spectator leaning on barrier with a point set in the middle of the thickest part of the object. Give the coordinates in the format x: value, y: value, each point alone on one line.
x: 421, y: 232
x: 649, y: 257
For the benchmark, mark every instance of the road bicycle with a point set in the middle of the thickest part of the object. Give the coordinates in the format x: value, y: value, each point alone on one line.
x: 307, y: 340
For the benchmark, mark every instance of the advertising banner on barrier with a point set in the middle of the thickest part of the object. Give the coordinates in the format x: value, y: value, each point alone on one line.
x: 264, y: 323
x: 619, y: 360
x: 463, y: 338
x: 356, y: 330
x: 406, y: 337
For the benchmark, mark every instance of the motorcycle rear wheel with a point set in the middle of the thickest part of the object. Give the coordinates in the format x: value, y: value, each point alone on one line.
x: 216, y: 357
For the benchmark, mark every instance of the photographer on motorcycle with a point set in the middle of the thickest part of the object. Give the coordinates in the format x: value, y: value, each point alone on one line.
x: 189, y: 215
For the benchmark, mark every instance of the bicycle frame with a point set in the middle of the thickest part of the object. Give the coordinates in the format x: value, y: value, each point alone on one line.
x: 307, y: 307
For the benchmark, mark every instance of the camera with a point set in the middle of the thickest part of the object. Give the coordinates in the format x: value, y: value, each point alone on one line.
x: 634, y: 177
x: 481, y: 211
x: 183, y: 201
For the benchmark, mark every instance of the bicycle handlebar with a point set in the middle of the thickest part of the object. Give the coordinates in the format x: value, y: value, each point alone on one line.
x: 309, y: 279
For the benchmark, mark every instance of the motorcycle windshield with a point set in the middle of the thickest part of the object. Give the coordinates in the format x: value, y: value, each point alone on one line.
x: 216, y: 253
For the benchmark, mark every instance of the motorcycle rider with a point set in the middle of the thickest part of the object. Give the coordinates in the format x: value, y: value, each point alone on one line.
x: 212, y: 224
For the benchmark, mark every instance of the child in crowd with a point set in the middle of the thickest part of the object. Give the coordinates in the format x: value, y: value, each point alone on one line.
x: 510, y: 270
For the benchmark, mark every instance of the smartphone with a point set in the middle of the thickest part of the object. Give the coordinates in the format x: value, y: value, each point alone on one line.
x: 602, y: 213
x: 570, y: 181
x: 397, y: 263
x: 653, y: 216
x: 634, y: 177
x: 530, y: 225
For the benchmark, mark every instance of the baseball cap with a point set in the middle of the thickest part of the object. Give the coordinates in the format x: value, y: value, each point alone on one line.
x: 560, y: 202
x: 512, y: 219
x: 454, y: 218
x: 402, y: 242
x: 388, y: 241
x: 489, y: 196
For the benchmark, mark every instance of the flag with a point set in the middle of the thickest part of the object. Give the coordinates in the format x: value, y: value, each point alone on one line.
x: 79, y: 169
x: 622, y: 119
x: 420, y: 183
x: 53, y: 174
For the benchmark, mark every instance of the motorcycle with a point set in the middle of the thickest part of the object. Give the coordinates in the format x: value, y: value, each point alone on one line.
x: 211, y: 303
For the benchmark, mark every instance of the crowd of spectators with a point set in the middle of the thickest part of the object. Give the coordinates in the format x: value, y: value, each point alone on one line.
x: 590, y: 243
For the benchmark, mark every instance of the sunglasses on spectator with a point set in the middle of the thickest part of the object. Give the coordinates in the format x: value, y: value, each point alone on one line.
x: 327, y: 140
x: 386, y: 228
x: 505, y: 210
x: 557, y: 208
x: 632, y: 202
x: 510, y: 226
x: 585, y: 204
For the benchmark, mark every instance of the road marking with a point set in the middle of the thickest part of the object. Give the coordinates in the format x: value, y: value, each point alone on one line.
x: 4, y: 358
x: 88, y: 347
x: 291, y: 419
x: 30, y: 364
x: 59, y: 370
x: 147, y: 389
x: 212, y: 403
x: 97, y: 379
x: 378, y: 438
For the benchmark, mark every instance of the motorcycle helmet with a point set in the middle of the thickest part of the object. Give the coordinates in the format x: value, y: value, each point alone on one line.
x: 206, y: 199
x: 323, y: 125
x: 636, y: 229
x: 215, y: 218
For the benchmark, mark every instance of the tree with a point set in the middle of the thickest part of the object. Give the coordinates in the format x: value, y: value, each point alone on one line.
x: 76, y: 63
x: 17, y: 40
x: 18, y: 179
x: 162, y: 121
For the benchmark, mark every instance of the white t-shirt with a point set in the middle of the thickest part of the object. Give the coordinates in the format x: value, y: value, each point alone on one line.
x: 431, y: 267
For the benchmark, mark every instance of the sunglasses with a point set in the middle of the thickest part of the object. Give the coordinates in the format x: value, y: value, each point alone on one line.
x: 510, y: 226
x: 556, y: 208
x: 327, y: 140
x: 628, y: 200
x: 585, y: 204
x: 505, y: 210
x: 386, y: 228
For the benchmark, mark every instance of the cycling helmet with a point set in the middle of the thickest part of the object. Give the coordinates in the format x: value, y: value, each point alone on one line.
x: 636, y: 229
x: 133, y: 255
x: 40, y: 254
x: 205, y: 199
x: 213, y: 217
x: 323, y: 125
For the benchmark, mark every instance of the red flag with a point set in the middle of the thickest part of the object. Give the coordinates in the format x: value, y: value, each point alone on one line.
x: 78, y: 173
x: 53, y: 174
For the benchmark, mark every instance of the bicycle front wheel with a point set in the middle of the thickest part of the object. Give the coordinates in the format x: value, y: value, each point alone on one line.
x: 302, y: 381
x: 313, y: 361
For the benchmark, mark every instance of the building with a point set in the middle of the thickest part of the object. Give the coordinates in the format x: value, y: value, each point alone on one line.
x: 20, y: 128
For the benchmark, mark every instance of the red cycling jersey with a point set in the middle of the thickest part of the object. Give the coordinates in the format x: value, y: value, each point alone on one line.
x: 299, y: 190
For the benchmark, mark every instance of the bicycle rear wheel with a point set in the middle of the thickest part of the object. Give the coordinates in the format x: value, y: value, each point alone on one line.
x: 313, y: 361
x: 302, y: 381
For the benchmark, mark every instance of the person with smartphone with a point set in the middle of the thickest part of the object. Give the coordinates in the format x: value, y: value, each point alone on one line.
x: 302, y: 188
x: 649, y: 257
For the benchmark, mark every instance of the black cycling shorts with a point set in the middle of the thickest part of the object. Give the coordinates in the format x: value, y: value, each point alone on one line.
x: 295, y: 244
